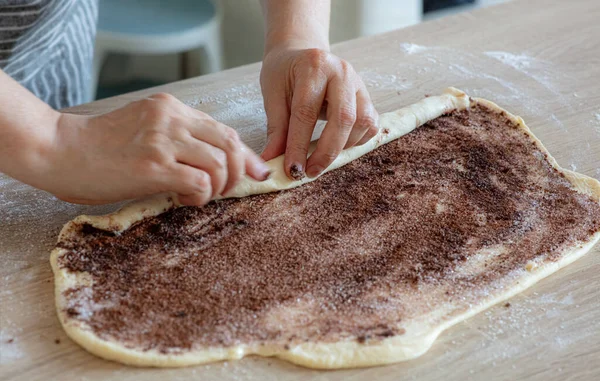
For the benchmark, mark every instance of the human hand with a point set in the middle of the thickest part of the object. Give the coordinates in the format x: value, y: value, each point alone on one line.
x: 299, y: 85
x: 150, y: 146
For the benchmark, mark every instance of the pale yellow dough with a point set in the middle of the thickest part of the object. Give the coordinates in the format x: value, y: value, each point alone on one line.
x: 420, y: 334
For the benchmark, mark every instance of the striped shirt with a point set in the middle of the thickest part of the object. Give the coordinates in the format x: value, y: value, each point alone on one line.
x: 48, y: 47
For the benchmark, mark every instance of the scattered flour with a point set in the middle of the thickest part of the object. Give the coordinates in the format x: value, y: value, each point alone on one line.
x: 240, y: 107
x: 539, y: 70
x: 523, y: 317
x: 518, y: 61
x: 375, y: 80
x: 461, y: 69
x: 410, y: 48
x: 597, y: 123
x: 10, y: 347
x: 533, y: 90
x: 238, y: 103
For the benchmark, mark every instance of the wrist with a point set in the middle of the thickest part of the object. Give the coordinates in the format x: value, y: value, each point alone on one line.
x: 297, y: 24
x: 51, y: 154
x: 295, y: 42
x: 31, y: 143
x: 68, y: 139
x: 59, y: 154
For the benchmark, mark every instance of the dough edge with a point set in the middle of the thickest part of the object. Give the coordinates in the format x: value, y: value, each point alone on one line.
x: 319, y: 355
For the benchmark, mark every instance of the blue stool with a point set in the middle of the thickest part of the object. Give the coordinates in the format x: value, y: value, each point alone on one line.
x: 159, y: 27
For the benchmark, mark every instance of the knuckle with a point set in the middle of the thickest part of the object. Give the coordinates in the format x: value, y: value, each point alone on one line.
x: 367, y: 122
x: 298, y: 147
x: 373, y: 130
x: 154, y: 138
x: 271, y: 128
x: 305, y: 114
x: 150, y: 167
x: 144, y: 104
x: 165, y: 97
x: 327, y: 157
x: 155, y: 112
x: 346, y: 116
x: 316, y: 58
x: 231, y: 138
x: 156, y: 147
x: 370, y: 134
x: 346, y: 67
x: 157, y: 158
x: 218, y: 161
x: 202, y: 180
x: 198, y: 183
x: 177, y: 129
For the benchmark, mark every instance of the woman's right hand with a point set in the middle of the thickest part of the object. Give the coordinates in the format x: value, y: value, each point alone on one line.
x: 150, y: 146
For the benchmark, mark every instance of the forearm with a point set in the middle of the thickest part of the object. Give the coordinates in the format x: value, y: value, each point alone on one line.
x: 27, y: 126
x: 296, y: 22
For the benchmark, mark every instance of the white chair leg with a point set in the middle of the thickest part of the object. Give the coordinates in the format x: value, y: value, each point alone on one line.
x: 99, y: 57
x: 211, y: 57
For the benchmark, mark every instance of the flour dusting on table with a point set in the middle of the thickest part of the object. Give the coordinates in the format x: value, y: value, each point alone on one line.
x: 490, y: 71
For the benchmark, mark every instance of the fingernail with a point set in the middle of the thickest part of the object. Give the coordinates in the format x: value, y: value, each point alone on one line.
x: 314, y: 170
x: 296, y: 172
x: 262, y: 167
x: 266, y: 175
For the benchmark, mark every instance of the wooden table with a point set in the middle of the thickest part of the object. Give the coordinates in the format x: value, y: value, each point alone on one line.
x: 539, y: 59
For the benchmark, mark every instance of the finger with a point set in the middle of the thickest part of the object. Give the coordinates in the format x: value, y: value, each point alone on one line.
x: 306, y: 106
x: 323, y: 112
x: 227, y: 140
x: 85, y: 201
x: 255, y: 166
x: 340, y: 119
x: 192, y: 185
x: 212, y: 160
x: 370, y: 134
x: 366, y: 119
x: 278, y: 120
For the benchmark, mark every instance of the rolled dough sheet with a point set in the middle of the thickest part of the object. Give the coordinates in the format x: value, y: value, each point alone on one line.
x: 374, y: 305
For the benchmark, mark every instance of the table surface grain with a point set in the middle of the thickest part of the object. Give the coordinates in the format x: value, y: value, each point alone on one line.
x: 539, y: 59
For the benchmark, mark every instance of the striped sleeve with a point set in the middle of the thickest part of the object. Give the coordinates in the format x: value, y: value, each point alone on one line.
x: 48, y: 46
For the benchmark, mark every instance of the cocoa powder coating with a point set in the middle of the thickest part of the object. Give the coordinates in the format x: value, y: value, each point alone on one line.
x: 350, y: 256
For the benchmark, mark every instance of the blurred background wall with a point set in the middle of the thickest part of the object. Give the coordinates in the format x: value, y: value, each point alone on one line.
x: 241, y: 35
x: 349, y: 19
